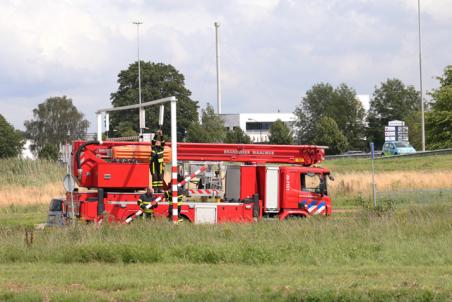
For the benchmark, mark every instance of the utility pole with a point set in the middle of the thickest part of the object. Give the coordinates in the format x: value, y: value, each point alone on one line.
x: 217, y: 40
x: 420, y: 74
x: 140, y: 110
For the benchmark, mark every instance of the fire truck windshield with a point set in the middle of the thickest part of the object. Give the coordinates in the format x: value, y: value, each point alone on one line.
x: 313, y: 182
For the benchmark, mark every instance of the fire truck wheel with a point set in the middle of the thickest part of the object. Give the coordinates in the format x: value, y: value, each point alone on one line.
x: 295, y: 217
x: 183, y: 220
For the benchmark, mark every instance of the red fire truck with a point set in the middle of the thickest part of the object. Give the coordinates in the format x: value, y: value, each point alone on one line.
x: 260, y: 181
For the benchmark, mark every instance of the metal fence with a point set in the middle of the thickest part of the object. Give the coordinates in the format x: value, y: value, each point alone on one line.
x: 378, y: 155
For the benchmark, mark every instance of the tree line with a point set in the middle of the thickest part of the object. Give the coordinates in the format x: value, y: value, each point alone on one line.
x: 326, y: 115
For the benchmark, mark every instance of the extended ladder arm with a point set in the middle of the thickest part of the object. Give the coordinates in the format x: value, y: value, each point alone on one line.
x: 305, y: 155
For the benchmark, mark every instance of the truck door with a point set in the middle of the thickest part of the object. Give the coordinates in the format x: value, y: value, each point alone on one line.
x: 313, y: 195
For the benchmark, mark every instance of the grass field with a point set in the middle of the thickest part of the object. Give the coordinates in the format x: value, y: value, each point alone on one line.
x: 387, y: 255
x: 393, y: 253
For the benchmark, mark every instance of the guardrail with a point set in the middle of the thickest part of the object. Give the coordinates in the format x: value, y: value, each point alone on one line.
x: 378, y: 154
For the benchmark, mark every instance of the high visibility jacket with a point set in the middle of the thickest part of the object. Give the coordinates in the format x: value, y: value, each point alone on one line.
x: 145, y: 200
x: 169, y: 197
x: 157, y: 154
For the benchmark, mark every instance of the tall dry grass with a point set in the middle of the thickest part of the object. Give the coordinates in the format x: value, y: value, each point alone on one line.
x: 30, y: 172
x: 359, y: 183
x: 30, y: 181
x: 25, y: 195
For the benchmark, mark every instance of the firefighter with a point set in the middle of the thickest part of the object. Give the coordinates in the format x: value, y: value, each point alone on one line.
x: 156, y: 165
x: 169, y: 198
x: 146, y: 199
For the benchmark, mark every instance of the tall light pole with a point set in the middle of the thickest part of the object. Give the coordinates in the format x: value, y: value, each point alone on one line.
x: 420, y: 74
x: 140, y: 110
x: 217, y: 43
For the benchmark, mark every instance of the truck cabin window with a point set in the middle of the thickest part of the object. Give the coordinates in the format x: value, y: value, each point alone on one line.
x: 313, y: 182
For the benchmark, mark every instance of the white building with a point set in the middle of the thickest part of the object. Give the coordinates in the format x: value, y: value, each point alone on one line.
x: 257, y: 125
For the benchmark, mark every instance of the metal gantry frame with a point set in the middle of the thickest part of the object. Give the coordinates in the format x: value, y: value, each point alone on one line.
x: 173, y: 102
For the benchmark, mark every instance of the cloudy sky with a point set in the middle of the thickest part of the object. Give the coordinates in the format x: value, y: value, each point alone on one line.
x: 272, y: 50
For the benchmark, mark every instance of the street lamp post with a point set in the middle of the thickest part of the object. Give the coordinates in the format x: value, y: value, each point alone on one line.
x: 217, y: 48
x: 420, y: 74
x: 140, y: 110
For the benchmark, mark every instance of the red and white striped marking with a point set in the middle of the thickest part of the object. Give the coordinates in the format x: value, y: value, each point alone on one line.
x: 140, y: 212
x: 203, y: 192
x: 175, y: 187
x: 188, y: 178
x: 174, y: 194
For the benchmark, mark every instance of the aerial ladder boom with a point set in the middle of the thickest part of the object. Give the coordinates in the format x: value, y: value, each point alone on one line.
x: 106, y: 165
x: 305, y: 155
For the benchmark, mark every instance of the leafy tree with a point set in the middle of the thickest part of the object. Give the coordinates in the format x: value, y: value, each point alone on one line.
x: 49, y: 152
x: 439, y: 129
x: 340, y: 104
x: 311, y: 108
x: 158, y: 81
x: 413, y: 122
x: 55, y: 121
x: 211, y: 129
x: 391, y: 101
x: 11, y: 140
x: 280, y: 134
x: 237, y: 136
x: 348, y: 113
x: 442, y: 97
x: 328, y: 134
x: 438, y: 122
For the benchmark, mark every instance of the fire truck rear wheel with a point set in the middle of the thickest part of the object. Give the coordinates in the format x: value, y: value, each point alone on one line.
x: 295, y: 217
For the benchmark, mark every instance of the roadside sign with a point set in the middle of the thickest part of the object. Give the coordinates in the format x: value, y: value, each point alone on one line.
x: 402, y: 129
x: 396, y: 123
x: 396, y: 131
x: 69, y: 183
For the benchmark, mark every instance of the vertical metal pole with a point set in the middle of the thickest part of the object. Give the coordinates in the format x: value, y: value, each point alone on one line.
x: 161, y: 115
x: 420, y: 74
x: 174, y: 159
x: 72, y: 196
x: 374, y: 189
x: 140, y: 117
x: 217, y: 40
x: 99, y: 127
x: 66, y: 157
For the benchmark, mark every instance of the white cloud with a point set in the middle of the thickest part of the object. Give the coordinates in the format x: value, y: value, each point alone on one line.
x: 272, y: 50
x: 440, y: 10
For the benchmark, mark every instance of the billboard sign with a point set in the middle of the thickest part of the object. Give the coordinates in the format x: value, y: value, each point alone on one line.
x: 396, y: 131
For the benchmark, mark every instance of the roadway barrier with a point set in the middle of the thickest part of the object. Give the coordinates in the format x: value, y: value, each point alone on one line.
x: 378, y: 154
